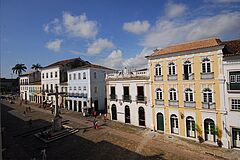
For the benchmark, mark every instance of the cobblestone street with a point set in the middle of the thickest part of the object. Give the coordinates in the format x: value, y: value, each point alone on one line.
x: 112, y: 140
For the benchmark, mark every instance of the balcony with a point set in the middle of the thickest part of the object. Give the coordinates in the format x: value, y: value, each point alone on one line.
x: 208, y: 105
x: 208, y: 75
x: 172, y: 77
x: 113, y: 97
x: 233, y: 87
x: 189, y: 76
x: 159, y: 102
x: 158, y: 78
x: 189, y: 104
x: 126, y: 98
x: 141, y: 99
x: 173, y: 103
x: 84, y: 95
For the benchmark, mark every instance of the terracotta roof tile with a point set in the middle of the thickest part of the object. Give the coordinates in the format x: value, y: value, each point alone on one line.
x: 198, y: 44
x: 231, y: 48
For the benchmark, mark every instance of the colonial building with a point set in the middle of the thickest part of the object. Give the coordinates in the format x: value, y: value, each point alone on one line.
x: 187, y: 83
x: 129, y: 97
x: 231, y: 70
x: 56, y: 74
x: 86, y: 88
x: 30, y: 86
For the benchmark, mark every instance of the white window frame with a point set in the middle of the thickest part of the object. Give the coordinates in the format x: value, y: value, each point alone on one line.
x: 189, y: 96
x: 173, y: 94
x: 235, y: 104
x: 207, y: 92
x: 172, y: 68
x: 158, y: 70
x: 159, y: 94
x: 206, y: 65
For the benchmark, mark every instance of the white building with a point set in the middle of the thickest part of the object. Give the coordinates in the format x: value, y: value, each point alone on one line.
x: 23, y: 83
x: 86, y: 88
x: 56, y: 74
x: 231, y: 70
x: 129, y: 97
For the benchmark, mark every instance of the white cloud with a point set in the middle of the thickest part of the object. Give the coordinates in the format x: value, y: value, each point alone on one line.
x: 54, y: 45
x: 79, y: 26
x: 54, y: 26
x: 99, y: 45
x: 136, y: 27
x: 222, y: 1
x: 169, y: 32
x: 175, y: 10
x: 114, y: 60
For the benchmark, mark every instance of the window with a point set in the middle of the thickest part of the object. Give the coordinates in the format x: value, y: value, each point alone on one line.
x: 187, y: 70
x: 207, y: 95
x: 84, y: 88
x: 43, y: 76
x: 79, y: 75
x: 51, y: 75
x: 173, y: 94
x: 51, y: 87
x: 206, y: 65
x: 47, y: 86
x: 55, y: 74
x: 235, y: 104
x: 159, y: 94
x: 95, y: 75
x: 174, y: 123
x: 75, y: 88
x: 172, y: 68
x: 84, y: 75
x: 46, y: 75
x: 188, y: 95
x: 158, y: 70
x: 95, y: 89
x: 74, y: 76
x: 70, y: 77
x: 79, y: 88
x: 235, y: 78
x: 70, y: 88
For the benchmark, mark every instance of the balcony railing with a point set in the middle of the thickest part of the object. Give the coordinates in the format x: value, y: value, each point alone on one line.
x: 173, y: 103
x: 208, y: 75
x: 189, y: 76
x: 233, y: 87
x: 84, y: 95
x: 172, y: 77
x: 141, y: 99
x: 159, y: 102
x: 190, y: 104
x: 126, y: 98
x: 158, y: 78
x: 208, y: 105
x: 113, y: 97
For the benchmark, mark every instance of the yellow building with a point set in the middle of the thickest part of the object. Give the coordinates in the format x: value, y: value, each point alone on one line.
x: 186, y: 83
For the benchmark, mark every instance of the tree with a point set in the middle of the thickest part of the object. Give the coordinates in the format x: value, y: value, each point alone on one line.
x: 36, y: 67
x: 19, y: 68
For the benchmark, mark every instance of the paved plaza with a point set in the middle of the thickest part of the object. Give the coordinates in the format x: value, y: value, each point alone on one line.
x: 112, y: 140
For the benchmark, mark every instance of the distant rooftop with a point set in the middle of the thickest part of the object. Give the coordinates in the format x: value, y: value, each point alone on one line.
x: 232, y: 48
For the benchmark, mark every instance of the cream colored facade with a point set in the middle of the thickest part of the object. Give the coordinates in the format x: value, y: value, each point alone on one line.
x: 181, y: 102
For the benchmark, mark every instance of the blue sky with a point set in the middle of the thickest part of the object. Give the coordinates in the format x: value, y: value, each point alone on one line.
x: 114, y: 33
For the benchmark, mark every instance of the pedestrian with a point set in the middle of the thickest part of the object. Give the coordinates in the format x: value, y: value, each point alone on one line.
x: 20, y: 103
x: 30, y: 123
x: 52, y: 110
x: 24, y: 113
x: 94, y: 123
x: 95, y: 114
x: 29, y: 109
x: 105, y: 117
x: 43, y: 154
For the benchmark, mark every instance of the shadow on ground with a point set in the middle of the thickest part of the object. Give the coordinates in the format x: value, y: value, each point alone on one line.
x: 72, y: 147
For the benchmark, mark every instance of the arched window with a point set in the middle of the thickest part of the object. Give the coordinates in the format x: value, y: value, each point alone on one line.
x: 206, y: 65
x: 84, y: 75
x: 190, y: 126
x: 174, y: 123
x: 159, y: 94
x: 172, y: 68
x: 207, y: 95
x: 188, y: 95
x: 158, y: 70
x: 173, y: 94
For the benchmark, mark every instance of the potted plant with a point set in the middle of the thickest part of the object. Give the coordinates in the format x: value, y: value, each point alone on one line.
x: 199, y: 133
x: 219, y: 136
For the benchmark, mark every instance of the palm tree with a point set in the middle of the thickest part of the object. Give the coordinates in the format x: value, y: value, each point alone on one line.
x: 19, y: 68
x: 36, y: 67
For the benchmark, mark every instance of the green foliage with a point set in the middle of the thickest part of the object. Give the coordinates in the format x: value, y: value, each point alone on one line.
x: 19, y: 68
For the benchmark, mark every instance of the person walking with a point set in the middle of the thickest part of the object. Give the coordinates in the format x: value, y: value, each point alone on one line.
x: 43, y: 154
x: 30, y: 123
